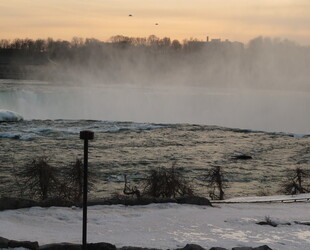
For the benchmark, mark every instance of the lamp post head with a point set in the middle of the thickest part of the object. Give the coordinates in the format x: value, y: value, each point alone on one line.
x: 86, y: 135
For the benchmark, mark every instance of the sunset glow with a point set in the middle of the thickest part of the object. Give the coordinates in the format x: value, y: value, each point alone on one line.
x: 239, y: 20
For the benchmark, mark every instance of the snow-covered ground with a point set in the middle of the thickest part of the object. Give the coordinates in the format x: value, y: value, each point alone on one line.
x: 166, y: 225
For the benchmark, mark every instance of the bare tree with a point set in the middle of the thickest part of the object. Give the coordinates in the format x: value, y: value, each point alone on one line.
x: 72, y: 183
x: 294, y: 183
x: 38, y: 178
x: 131, y: 190
x: 176, y: 45
x: 215, y: 179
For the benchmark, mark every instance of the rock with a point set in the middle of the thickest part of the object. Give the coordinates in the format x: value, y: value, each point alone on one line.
x: 61, y: 246
x: 264, y: 247
x: 218, y: 248
x: 33, y: 245
x: 137, y: 248
x: 15, y: 203
x: 192, y: 247
x: 4, y: 242
x: 9, y: 116
x: 56, y: 202
x: 269, y: 223
x: 242, y: 157
x: 242, y: 248
x: 165, y: 200
x: 100, y: 246
x: 285, y: 224
x: 69, y: 246
x: 194, y: 200
x: 306, y: 223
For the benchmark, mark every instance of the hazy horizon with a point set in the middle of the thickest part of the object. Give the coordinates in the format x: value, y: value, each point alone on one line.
x: 182, y: 41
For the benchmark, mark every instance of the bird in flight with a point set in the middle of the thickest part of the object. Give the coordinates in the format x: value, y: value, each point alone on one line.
x: 130, y: 15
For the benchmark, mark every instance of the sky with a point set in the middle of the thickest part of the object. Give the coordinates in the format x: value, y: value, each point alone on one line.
x: 235, y: 20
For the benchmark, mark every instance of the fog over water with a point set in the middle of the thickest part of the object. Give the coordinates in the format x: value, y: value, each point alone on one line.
x: 278, y: 111
x: 263, y: 85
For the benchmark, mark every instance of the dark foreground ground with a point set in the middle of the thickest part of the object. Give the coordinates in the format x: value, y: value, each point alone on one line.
x: 6, y: 244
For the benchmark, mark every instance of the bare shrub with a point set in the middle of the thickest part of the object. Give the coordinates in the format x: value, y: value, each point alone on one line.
x: 167, y: 183
x: 263, y: 192
x: 73, y: 179
x: 215, y: 179
x: 294, y: 182
x: 131, y: 190
x: 38, y: 179
x: 268, y: 221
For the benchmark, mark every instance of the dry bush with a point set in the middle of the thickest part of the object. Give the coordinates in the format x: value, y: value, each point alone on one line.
x: 268, y: 221
x: 263, y: 192
x: 38, y: 179
x: 215, y: 179
x: 294, y: 183
x: 128, y: 190
x: 71, y: 187
x: 167, y: 183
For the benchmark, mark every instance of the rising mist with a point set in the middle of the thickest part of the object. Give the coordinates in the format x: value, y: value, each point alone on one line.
x: 263, y: 63
x: 261, y: 85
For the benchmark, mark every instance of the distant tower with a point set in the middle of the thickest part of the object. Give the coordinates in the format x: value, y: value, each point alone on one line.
x: 207, y: 39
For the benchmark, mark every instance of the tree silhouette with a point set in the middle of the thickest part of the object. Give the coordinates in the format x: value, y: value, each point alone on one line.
x: 38, y: 178
x: 215, y: 179
x: 294, y: 183
x: 167, y: 183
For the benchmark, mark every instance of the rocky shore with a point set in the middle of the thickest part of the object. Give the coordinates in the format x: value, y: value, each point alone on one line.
x: 17, y: 203
x: 34, y: 245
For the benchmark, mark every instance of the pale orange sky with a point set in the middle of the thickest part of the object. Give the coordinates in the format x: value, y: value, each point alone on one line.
x: 236, y: 20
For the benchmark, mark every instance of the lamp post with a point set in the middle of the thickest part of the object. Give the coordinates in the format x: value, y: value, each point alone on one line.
x: 85, y: 135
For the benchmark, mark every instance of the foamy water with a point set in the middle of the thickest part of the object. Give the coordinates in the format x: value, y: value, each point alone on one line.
x: 133, y: 149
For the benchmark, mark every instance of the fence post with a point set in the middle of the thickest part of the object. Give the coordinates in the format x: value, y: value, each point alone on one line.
x: 85, y: 135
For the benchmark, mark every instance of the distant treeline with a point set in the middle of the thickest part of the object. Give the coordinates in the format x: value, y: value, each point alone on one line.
x: 122, y: 59
x: 41, y: 45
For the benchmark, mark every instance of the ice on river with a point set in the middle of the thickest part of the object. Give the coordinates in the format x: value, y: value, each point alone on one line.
x: 9, y: 116
x: 165, y: 225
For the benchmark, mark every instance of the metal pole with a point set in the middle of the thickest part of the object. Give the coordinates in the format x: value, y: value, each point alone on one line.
x: 85, y: 194
x: 85, y: 135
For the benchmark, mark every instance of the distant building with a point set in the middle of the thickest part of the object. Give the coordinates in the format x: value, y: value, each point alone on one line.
x: 217, y: 40
x: 214, y: 43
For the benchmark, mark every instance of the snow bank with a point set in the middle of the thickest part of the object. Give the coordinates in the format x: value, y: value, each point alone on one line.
x: 272, y: 198
x: 9, y: 116
x: 164, y: 226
